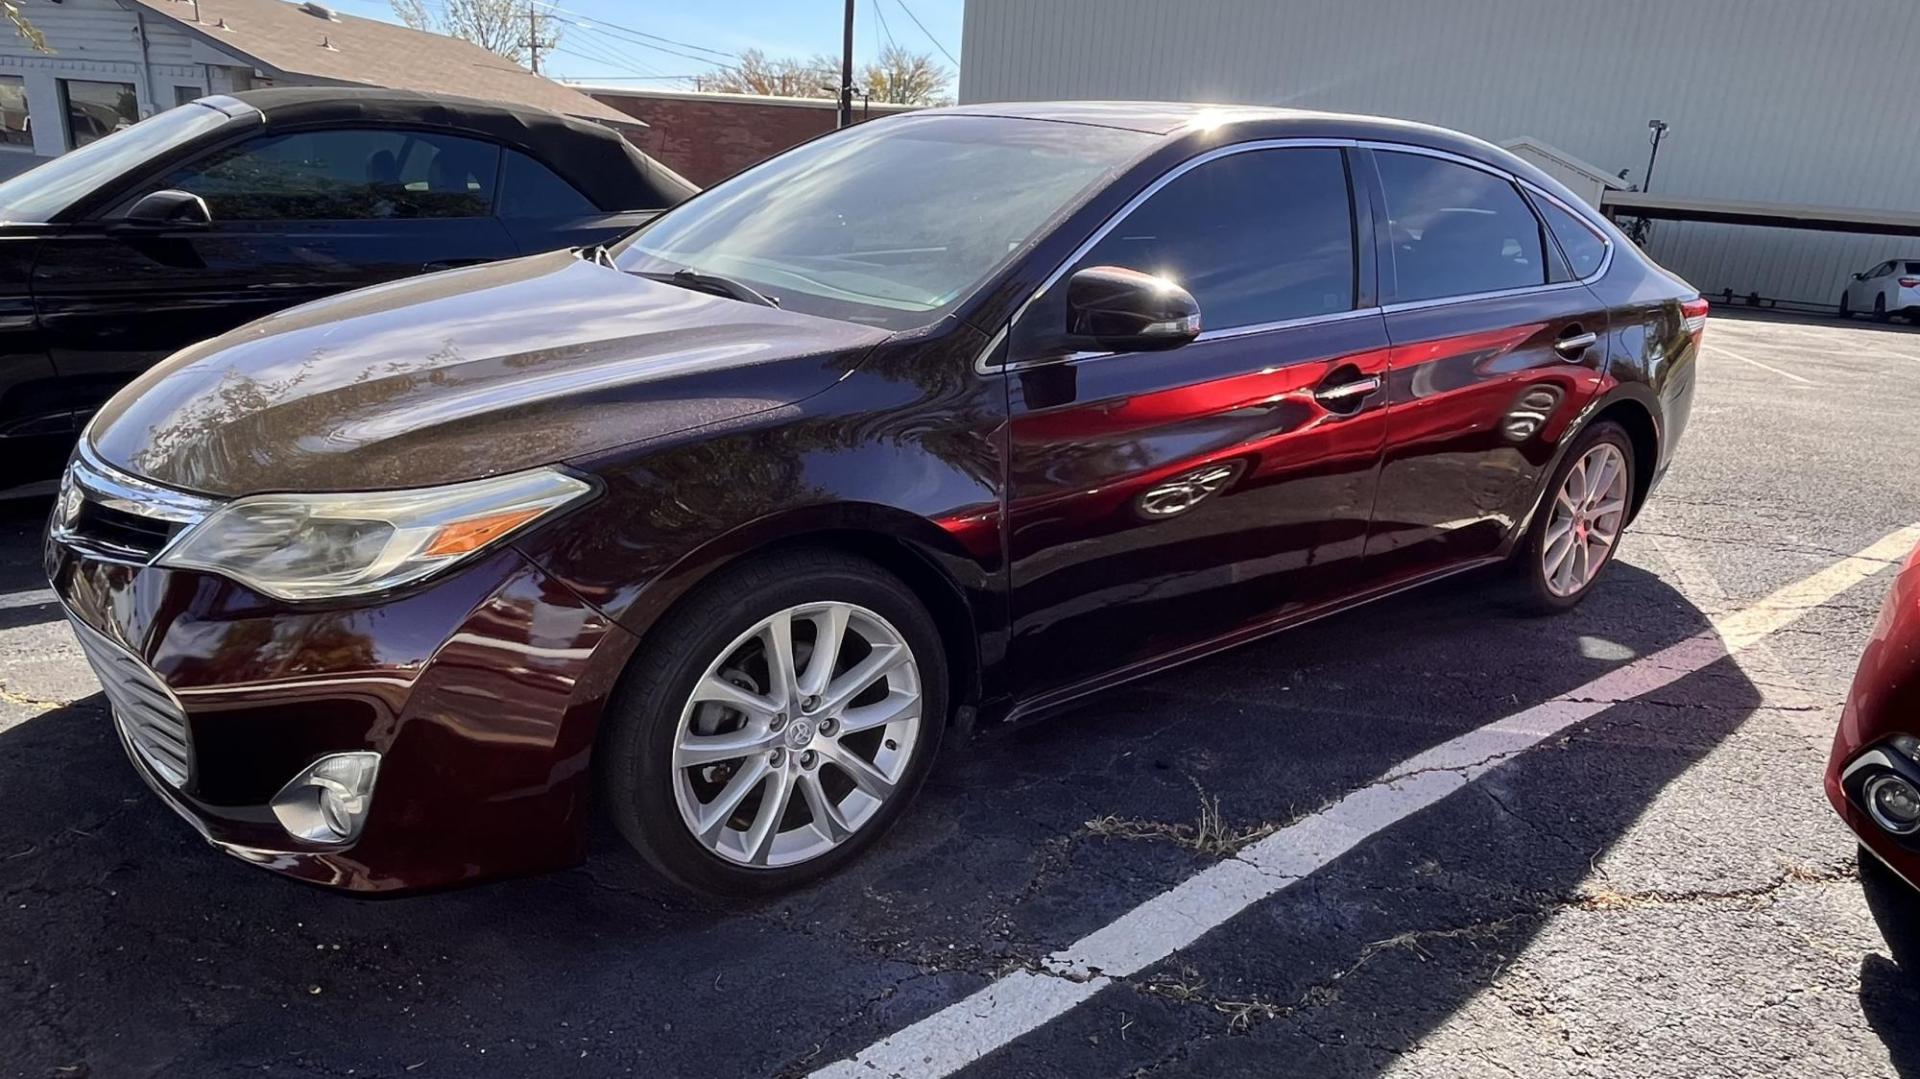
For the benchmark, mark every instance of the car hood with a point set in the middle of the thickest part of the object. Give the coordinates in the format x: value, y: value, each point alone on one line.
x: 461, y: 375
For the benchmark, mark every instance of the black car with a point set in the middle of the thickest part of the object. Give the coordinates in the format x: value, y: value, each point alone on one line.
x: 217, y: 212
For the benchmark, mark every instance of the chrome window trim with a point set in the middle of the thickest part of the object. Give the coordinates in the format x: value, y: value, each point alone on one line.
x: 984, y: 364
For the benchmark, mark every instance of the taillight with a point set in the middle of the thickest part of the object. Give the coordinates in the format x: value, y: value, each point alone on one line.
x: 1694, y: 312
x: 1910, y: 282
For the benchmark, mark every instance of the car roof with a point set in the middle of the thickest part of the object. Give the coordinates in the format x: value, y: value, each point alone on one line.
x: 1243, y: 123
x: 606, y: 168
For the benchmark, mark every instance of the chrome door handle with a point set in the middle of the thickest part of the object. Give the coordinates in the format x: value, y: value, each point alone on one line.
x: 1347, y: 391
x: 1575, y: 343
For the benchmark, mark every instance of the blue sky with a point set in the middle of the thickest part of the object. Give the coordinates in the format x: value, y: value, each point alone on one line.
x: 705, y: 31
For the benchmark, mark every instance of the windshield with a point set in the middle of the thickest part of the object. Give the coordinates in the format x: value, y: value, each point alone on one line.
x: 887, y: 223
x: 40, y: 193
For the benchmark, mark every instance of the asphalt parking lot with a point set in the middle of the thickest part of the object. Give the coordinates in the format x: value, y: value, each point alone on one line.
x: 1644, y: 881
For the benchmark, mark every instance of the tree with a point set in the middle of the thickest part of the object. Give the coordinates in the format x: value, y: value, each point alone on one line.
x: 900, y: 77
x: 499, y: 26
x: 786, y: 77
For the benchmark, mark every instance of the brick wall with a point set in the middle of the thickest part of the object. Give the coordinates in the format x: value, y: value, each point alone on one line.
x: 708, y: 137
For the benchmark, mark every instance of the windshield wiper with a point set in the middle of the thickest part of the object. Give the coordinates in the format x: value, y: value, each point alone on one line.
x: 715, y: 284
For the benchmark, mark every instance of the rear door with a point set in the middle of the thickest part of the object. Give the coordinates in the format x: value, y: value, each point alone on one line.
x: 1161, y: 500
x: 1496, y: 345
x: 297, y: 215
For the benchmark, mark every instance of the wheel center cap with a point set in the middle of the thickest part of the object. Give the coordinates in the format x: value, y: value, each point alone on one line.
x: 799, y: 733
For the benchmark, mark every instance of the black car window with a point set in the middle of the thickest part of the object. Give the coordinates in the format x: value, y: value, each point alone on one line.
x: 1457, y: 230
x: 1584, y: 248
x: 1261, y: 236
x: 529, y: 189
x: 345, y: 175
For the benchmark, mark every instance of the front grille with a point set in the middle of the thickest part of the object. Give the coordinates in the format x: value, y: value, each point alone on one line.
x: 117, y: 532
x: 144, y: 708
x: 110, y: 514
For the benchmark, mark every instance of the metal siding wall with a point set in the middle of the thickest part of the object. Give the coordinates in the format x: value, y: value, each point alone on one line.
x: 1770, y: 100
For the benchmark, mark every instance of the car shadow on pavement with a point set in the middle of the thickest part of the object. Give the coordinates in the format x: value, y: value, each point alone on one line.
x: 131, y: 948
x: 1888, y: 987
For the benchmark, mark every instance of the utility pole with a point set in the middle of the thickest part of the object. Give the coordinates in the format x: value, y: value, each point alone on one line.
x: 845, y: 115
x: 533, y: 36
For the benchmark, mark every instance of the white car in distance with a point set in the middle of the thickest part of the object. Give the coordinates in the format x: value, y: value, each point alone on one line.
x: 1891, y: 288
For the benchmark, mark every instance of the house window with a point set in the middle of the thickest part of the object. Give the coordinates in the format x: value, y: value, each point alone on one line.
x: 183, y: 95
x: 97, y: 109
x: 14, y: 129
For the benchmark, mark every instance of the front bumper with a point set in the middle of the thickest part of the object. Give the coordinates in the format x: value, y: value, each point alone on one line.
x: 481, y: 691
x: 1883, y: 704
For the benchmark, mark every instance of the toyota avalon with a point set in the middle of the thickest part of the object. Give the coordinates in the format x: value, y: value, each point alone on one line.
x: 941, y: 421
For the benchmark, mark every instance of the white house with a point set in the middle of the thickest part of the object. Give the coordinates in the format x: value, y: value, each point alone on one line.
x: 114, y: 62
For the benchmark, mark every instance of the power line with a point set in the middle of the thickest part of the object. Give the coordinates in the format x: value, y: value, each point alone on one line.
x: 885, y: 30
x: 611, y: 50
x: 575, y: 80
x: 559, y: 11
x: 610, y: 31
x: 924, y: 30
x: 566, y: 51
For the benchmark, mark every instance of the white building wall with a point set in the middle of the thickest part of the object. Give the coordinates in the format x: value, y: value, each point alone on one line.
x: 99, y: 40
x: 1769, y: 100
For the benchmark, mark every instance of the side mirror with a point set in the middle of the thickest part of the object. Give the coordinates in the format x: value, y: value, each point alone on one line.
x: 1126, y: 310
x: 1859, y: 277
x: 168, y: 207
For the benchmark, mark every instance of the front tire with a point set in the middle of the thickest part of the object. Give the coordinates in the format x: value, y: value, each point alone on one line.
x: 1846, y: 306
x: 776, y: 724
x: 1575, y: 534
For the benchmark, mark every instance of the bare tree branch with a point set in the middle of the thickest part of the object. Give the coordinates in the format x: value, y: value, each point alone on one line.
x: 499, y: 26
x: 27, y: 31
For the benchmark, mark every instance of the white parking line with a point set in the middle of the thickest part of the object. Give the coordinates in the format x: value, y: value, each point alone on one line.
x: 1725, y: 351
x: 1024, y: 1001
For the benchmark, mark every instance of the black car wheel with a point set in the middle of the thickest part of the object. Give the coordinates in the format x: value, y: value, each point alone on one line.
x: 1575, y: 534
x: 1846, y: 306
x: 1880, y: 308
x: 775, y: 724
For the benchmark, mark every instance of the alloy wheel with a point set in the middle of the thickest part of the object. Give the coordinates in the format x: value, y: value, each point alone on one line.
x: 797, y: 735
x: 1588, y: 512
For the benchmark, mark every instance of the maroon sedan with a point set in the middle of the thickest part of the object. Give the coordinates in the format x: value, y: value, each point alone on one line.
x: 944, y: 420
x: 1873, y: 777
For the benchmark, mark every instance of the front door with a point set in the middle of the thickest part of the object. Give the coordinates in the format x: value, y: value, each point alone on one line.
x: 296, y: 216
x: 1495, y: 349
x: 1161, y: 500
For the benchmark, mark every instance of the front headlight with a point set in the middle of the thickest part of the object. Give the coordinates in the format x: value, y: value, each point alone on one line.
x: 325, y: 546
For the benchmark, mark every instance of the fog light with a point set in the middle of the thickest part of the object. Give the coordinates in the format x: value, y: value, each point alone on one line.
x: 1893, y: 803
x: 328, y: 802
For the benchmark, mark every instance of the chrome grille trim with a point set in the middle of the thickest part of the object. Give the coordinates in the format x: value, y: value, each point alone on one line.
x: 149, y: 716
x: 90, y: 485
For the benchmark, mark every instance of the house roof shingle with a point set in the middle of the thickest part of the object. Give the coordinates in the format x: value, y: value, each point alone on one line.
x: 289, y: 39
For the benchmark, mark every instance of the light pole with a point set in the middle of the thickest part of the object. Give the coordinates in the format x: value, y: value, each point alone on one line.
x: 1656, y: 130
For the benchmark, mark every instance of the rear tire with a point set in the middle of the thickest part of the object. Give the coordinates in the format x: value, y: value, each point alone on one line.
x: 734, y: 779
x: 1578, y: 528
x: 1880, y: 308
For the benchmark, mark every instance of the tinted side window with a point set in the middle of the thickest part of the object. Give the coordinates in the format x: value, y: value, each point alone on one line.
x: 1457, y: 230
x: 345, y: 175
x: 1584, y: 248
x: 1256, y: 237
x: 530, y: 189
